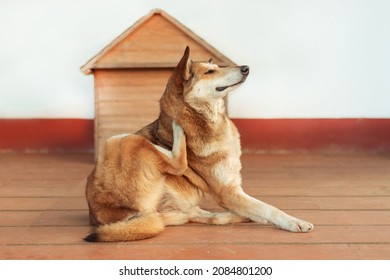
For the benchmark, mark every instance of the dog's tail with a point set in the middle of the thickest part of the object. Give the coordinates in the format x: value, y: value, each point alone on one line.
x: 140, y: 226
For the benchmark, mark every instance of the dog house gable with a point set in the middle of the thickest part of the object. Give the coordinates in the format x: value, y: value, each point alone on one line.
x: 131, y: 72
x: 156, y: 40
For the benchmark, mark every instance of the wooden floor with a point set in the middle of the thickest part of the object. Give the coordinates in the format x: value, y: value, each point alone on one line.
x: 43, y: 212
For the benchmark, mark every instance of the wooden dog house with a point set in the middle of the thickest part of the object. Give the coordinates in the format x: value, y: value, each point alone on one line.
x: 130, y: 73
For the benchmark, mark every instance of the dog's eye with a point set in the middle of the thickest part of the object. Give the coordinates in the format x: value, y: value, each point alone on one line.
x: 210, y: 71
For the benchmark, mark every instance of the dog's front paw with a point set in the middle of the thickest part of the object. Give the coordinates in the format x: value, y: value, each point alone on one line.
x: 300, y: 226
x: 296, y: 225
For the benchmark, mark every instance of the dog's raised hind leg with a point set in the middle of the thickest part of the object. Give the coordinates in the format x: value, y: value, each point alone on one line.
x: 176, y: 160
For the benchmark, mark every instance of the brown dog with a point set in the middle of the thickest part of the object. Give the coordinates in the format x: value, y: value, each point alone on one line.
x: 140, y: 185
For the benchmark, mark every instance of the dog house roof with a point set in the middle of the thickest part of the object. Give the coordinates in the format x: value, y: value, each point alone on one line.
x: 157, y: 40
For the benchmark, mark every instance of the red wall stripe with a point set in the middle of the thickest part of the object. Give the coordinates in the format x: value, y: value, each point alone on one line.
x: 46, y: 134
x: 256, y: 134
x: 315, y: 134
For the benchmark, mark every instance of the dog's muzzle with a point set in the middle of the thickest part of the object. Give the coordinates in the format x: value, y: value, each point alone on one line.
x: 244, y: 72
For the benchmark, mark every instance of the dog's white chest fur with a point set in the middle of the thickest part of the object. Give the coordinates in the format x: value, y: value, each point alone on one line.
x: 226, y: 171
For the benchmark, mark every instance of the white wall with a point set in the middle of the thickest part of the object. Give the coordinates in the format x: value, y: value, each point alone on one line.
x: 308, y: 58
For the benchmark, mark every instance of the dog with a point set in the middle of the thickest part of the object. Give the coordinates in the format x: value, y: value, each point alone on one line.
x: 158, y: 176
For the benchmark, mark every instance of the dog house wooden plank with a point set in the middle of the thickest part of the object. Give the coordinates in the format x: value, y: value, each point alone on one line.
x: 136, y: 93
x: 125, y: 107
x: 132, y: 77
x: 156, y: 39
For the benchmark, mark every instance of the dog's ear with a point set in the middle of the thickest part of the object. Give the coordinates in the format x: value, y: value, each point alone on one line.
x: 182, y: 70
x: 210, y: 60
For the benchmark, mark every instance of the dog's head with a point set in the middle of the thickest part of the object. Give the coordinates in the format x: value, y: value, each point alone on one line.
x: 203, y: 85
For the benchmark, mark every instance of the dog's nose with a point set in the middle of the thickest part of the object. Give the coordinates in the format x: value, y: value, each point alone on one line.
x: 244, y: 70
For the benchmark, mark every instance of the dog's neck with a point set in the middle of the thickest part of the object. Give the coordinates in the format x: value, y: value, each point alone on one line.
x: 211, y: 110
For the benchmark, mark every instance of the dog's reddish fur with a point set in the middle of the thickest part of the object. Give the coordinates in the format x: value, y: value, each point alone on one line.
x: 139, y: 186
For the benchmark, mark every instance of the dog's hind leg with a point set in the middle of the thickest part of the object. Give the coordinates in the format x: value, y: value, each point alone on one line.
x: 176, y: 160
x: 175, y: 218
x: 199, y: 215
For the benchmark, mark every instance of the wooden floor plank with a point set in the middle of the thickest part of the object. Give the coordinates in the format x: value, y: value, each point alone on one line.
x: 43, y: 203
x: 303, y: 187
x: 43, y: 187
x: 200, y: 234
x: 198, y: 252
x: 341, y: 217
x: 44, y: 218
x: 338, y: 203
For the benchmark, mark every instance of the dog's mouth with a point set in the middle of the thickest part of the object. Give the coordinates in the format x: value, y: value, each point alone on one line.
x: 225, y: 87
x: 244, y: 72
